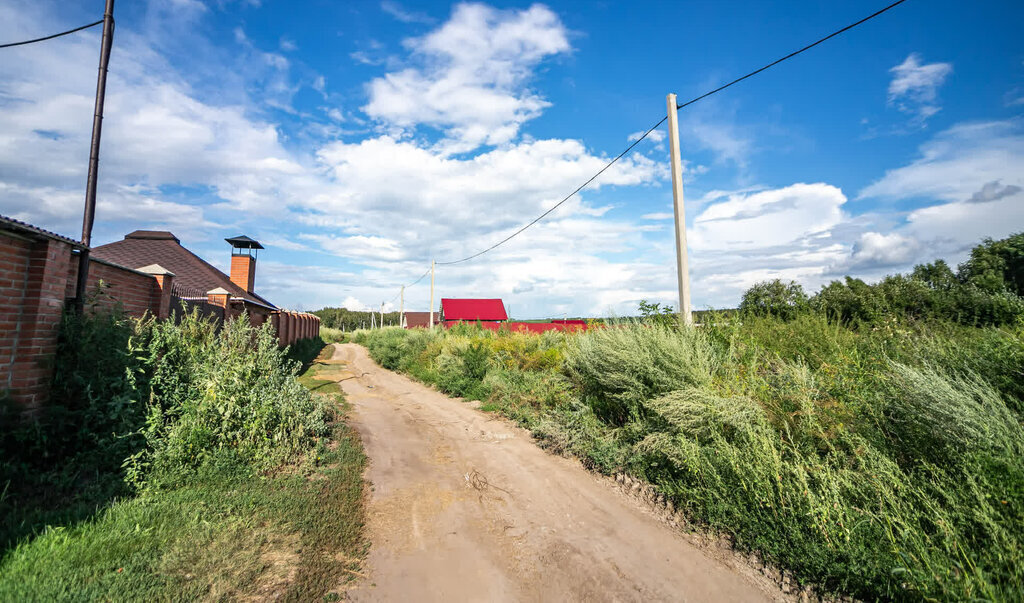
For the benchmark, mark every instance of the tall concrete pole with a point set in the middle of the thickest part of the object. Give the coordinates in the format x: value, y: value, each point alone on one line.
x: 106, y: 42
x: 382, y: 315
x: 431, y: 326
x: 682, y: 262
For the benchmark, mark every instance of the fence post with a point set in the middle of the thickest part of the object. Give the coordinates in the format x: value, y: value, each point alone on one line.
x: 164, y: 282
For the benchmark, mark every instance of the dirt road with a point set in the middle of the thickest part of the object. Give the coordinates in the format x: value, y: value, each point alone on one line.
x: 465, y: 507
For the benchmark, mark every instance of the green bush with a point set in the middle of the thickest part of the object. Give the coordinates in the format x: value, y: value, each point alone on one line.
x: 774, y: 298
x: 231, y: 389
x: 618, y: 369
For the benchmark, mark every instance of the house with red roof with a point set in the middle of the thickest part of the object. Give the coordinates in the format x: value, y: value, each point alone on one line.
x: 489, y: 312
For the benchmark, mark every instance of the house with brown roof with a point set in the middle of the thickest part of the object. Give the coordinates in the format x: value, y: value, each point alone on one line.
x: 194, y: 277
x: 420, y: 320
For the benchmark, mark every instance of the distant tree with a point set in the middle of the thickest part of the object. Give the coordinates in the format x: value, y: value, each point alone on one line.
x: 996, y: 266
x: 937, y: 275
x: 774, y: 298
x: 655, y: 313
x: 849, y: 302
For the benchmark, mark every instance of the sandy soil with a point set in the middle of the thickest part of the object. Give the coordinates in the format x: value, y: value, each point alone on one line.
x: 465, y: 507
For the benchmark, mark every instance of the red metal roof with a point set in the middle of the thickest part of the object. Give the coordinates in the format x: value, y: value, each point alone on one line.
x: 473, y: 309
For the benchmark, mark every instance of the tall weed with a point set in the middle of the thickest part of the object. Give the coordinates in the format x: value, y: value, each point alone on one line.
x: 618, y: 369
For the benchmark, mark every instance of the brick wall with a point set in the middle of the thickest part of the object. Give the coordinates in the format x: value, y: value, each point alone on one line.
x: 137, y: 293
x: 37, y: 275
x: 293, y: 326
x: 33, y: 283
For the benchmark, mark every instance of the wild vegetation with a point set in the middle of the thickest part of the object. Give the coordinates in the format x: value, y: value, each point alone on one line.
x: 179, y: 461
x: 877, y: 453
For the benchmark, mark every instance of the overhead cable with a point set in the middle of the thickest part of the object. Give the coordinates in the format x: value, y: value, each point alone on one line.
x: 63, y: 33
x: 655, y: 126
x: 567, y: 197
x: 791, y: 55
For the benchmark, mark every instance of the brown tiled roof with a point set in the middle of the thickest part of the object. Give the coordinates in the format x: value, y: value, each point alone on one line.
x: 145, y: 247
x: 24, y: 227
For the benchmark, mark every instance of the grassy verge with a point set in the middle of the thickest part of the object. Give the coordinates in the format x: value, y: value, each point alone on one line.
x: 881, y: 462
x: 333, y: 335
x: 280, y: 518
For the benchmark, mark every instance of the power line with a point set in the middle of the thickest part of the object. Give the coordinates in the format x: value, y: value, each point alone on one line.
x: 792, y: 54
x: 63, y: 33
x: 655, y: 126
x: 567, y: 197
x: 410, y: 285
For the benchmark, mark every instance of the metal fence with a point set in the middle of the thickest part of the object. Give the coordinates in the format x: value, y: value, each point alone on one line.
x: 185, y: 300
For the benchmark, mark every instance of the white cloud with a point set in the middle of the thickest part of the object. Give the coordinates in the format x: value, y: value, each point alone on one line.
x: 958, y: 163
x: 658, y: 216
x: 472, y: 80
x: 404, y: 15
x: 654, y: 136
x: 723, y: 139
x: 771, y: 218
x: 875, y: 251
x: 914, y: 87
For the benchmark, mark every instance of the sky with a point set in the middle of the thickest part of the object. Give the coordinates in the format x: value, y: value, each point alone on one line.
x: 359, y: 140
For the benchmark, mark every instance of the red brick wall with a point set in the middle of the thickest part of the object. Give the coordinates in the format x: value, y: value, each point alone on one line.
x: 293, y: 326
x: 14, y: 258
x: 36, y: 276
x: 33, y: 283
x: 136, y: 292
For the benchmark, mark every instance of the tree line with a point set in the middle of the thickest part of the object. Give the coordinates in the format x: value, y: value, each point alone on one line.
x: 986, y: 289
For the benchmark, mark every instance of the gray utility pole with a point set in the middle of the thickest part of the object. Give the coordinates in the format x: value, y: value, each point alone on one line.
x: 94, y: 156
x: 401, y: 308
x: 382, y: 315
x: 682, y: 262
x: 431, y: 326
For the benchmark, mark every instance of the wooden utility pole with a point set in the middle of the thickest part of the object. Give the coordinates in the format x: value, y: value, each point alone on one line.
x: 382, y: 315
x: 431, y: 294
x: 106, y: 41
x: 682, y: 262
x: 401, y: 308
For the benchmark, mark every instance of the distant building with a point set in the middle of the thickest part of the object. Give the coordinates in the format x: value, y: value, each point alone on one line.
x: 145, y: 247
x: 420, y: 320
x: 489, y: 312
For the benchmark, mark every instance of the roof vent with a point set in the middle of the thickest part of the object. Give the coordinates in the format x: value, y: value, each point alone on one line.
x: 153, y: 235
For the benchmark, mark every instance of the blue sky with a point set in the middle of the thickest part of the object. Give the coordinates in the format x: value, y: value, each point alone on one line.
x: 359, y: 140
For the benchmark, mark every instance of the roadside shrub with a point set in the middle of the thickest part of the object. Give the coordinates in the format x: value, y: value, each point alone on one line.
x: 774, y: 298
x: 330, y: 335
x: 231, y: 390
x: 949, y: 420
x: 621, y: 367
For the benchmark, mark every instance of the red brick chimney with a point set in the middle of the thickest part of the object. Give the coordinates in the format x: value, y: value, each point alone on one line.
x: 243, y: 261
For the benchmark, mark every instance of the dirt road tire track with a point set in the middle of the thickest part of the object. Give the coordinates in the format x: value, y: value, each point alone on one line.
x: 465, y: 507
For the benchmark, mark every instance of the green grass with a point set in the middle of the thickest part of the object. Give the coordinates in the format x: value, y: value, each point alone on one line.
x: 228, y: 527
x: 333, y: 335
x: 882, y: 462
